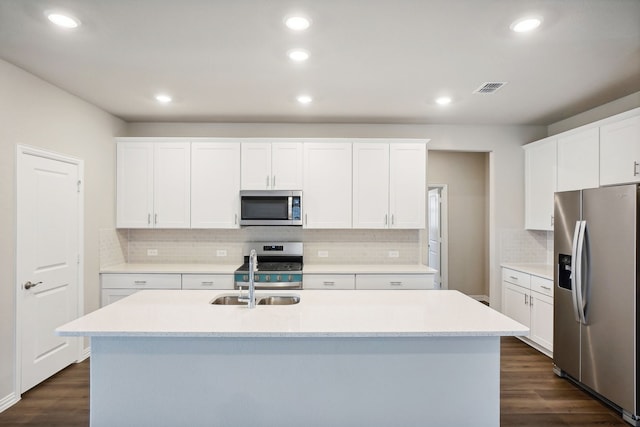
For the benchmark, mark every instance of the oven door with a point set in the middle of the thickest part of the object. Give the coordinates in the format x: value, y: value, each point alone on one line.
x: 270, y: 208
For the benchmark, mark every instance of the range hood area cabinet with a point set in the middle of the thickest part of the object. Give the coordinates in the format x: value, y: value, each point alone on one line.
x: 389, y: 185
x: 153, y: 185
x: 271, y: 166
x: 606, y: 152
x: 195, y: 183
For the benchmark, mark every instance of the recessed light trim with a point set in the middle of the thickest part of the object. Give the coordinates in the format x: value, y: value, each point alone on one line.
x: 304, y: 99
x: 297, y: 23
x: 443, y: 100
x: 298, y: 55
x: 163, y: 98
x: 63, y: 20
x: 524, y: 25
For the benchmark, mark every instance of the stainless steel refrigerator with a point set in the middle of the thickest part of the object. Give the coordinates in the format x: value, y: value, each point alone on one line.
x: 596, y: 293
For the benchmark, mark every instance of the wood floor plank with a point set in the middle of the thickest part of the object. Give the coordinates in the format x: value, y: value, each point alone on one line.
x: 531, y: 395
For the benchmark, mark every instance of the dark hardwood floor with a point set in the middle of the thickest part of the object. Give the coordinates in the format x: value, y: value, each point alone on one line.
x: 531, y: 395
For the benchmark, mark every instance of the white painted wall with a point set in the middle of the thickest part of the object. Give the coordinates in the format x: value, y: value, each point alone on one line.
x: 39, y: 114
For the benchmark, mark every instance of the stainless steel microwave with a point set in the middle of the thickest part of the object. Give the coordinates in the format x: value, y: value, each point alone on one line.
x: 270, y: 207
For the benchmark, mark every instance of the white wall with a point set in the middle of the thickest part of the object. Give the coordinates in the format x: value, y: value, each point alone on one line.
x: 39, y: 114
x: 466, y: 176
x: 506, y: 210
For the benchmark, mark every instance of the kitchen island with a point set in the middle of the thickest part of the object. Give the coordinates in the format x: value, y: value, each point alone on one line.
x: 374, y: 358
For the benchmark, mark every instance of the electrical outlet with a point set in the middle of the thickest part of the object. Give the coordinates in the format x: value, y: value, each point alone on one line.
x: 152, y: 252
x: 394, y: 254
x: 221, y: 252
x: 323, y: 254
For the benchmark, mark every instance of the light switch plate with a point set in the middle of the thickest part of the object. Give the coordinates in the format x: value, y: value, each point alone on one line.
x: 323, y: 254
x: 394, y: 254
x: 152, y: 252
x: 221, y: 252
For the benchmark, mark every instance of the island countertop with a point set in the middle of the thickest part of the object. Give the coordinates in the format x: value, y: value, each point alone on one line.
x: 322, y: 313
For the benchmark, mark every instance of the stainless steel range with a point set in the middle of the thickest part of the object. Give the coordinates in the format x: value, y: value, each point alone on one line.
x: 279, y: 266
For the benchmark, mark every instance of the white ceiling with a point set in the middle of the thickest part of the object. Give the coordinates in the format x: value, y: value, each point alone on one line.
x: 372, y: 61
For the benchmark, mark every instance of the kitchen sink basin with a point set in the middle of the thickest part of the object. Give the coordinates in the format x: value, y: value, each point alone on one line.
x: 279, y: 300
x: 260, y: 300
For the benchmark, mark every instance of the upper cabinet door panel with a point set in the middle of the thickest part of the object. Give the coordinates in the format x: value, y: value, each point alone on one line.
x: 255, y: 166
x: 286, y: 166
x: 134, y: 193
x: 172, y: 185
x: 578, y: 160
x: 327, y: 185
x: 408, y: 185
x: 620, y: 152
x: 540, y: 184
x: 215, y: 184
x: 370, y: 185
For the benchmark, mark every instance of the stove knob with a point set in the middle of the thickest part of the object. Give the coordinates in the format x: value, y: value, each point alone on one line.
x: 290, y: 278
x: 268, y: 277
x: 245, y: 277
x: 278, y: 279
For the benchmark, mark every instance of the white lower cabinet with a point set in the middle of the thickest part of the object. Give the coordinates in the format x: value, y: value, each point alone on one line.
x: 329, y: 281
x: 117, y: 286
x: 528, y: 299
x: 207, y: 281
x: 394, y: 281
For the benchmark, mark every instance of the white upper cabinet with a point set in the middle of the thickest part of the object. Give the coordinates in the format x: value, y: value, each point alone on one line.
x: 271, y: 166
x: 153, y: 185
x: 578, y: 160
x: 215, y: 184
x: 620, y: 152
x: 371, y: 185
x: 327, y: 185
x: 389, y: 184
x: 540, y: 184
x: 408, y: 185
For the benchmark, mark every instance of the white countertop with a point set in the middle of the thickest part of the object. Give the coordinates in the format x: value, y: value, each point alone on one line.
x: 306, y: 269
x: 541, y: 270
x: 322, y: 313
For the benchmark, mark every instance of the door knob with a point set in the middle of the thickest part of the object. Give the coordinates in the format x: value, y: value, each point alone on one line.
x: 30, y: 285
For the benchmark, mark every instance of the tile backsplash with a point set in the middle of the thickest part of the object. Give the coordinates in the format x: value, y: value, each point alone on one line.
x: 226, y: 246
x: 526, y: 246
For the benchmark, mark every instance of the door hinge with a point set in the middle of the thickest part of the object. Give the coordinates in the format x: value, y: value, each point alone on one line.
x: 78, y: 260
x: 79, y: 183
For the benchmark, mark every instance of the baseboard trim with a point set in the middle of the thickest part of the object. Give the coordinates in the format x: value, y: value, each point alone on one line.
x: 8, y: 401
x: 481, y: 298
x: 86, y: 353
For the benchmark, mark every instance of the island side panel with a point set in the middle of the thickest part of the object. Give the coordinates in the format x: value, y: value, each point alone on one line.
x: 170, y: 381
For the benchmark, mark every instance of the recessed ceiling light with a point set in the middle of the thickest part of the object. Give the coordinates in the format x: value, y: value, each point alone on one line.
x: 163, y: 98
x: 525, y: 24
x: 297, y: 23
x: 64, y: 21
x: 443, y: 100
x: 304, y: 99
x: 298, y: 55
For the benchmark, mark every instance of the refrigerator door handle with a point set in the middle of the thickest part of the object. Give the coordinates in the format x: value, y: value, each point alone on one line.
x: 579, y: 269
x: 574, y: 271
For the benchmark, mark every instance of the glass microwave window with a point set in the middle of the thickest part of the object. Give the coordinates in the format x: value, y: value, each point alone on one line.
x: 265, y: 208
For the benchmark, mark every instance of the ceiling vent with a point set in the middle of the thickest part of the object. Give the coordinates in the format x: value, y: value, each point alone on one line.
x: 488, y: 88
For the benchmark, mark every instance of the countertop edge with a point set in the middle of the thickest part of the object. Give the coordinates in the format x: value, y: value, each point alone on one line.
x: 535, y: 269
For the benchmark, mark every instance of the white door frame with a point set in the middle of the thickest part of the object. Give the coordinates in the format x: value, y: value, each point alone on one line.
x: 444, y: 230
x: 22, y: 150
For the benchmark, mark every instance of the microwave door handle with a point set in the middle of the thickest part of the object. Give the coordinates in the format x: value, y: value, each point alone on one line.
x: 574, y: 271
x: 290, y: 207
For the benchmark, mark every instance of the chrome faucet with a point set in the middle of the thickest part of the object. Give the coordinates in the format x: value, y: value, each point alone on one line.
x: 253, y: 267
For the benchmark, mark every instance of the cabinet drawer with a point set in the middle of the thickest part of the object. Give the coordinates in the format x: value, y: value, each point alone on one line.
x: 516, y: 277
x: 141, y: 281
x: 328, y: 281
x: 544, y: 286
x: 207, y: 281
x: 394, y: 281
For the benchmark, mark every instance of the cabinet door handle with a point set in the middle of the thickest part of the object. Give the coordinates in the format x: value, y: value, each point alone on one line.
x: 235, y: 220
x: 149, y: 219
x: 393, y: 219
x: 305, y: 220
x: 329, y: 283
x: 635, y: 169
x: 140, y: 282
x: 155, y: 219
x: 395, y: 283
x: 267, y: 181
x: 386, y: 219
x: 207, y: 283
x: 526, y: 299
x: 273, y: 181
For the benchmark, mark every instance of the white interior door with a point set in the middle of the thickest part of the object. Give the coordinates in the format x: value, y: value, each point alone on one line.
x: 435, y: 235
x: 48, y: 263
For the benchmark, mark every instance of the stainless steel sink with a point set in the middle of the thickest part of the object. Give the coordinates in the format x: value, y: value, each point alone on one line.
x: 279, y: 300
x: 261, y: 300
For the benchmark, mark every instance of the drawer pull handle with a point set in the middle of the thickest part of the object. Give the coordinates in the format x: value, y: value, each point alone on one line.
x: 207, y: 283
x: 396, y: 283
x: 513, y: 277
x: 329, y: 283
x: 545, y: 288
x: 140, y: 282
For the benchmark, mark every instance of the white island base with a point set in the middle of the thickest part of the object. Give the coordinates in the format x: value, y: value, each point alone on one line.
x: 450, y: 381
x: 338, y: 358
